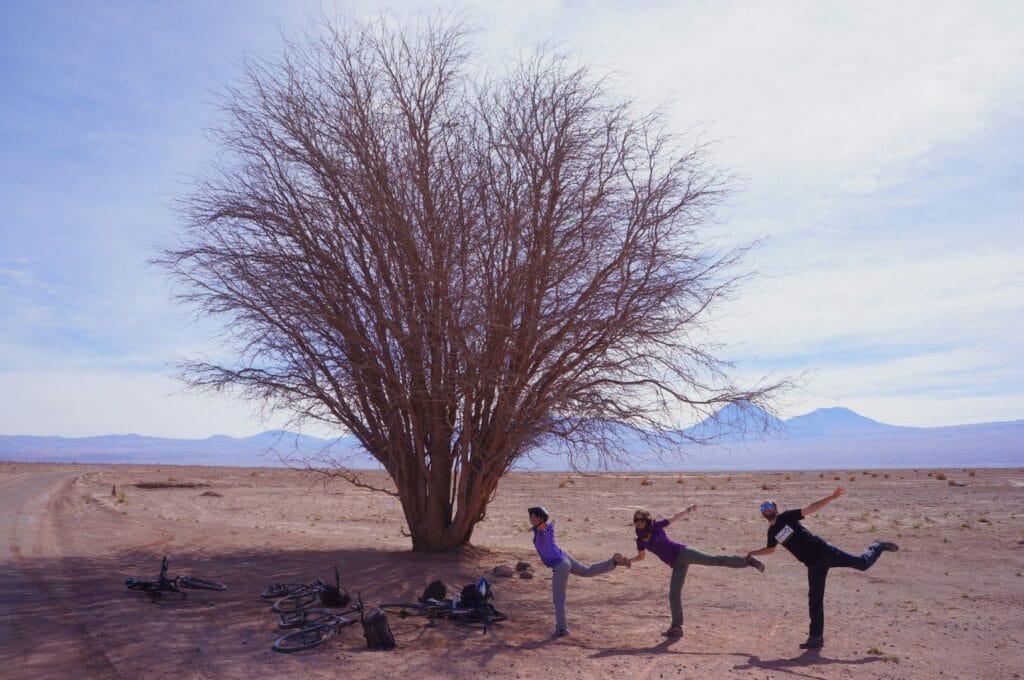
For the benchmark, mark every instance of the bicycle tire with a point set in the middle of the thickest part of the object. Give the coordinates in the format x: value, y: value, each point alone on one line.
x: 406, y: 609
x: 477, y: 616
x: 297, y: 601
x: 276, y: 591
x: 196, y: 583
x: 306, y: 638
x: 305, y: 618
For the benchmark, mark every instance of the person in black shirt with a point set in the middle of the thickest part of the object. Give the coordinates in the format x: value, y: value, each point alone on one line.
x: 818, y: 554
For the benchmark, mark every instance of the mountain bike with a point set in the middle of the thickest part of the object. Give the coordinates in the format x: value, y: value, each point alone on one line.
x: 171, y: 585
x: 454, y: 608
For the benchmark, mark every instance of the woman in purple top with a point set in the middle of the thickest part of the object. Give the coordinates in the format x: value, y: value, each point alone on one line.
x: 562, y: 563
x: 650, y: 535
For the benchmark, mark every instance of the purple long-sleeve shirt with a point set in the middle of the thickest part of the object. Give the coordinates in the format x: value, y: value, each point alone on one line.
x: 544, y: 542
x: 659, y: 543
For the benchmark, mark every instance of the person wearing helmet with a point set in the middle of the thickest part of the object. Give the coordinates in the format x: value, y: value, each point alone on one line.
x: 650, y: 535
x: 562, y: 563
x: 816, y: 553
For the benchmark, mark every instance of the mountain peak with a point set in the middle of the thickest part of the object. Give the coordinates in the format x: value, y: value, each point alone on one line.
x: 831, y: 420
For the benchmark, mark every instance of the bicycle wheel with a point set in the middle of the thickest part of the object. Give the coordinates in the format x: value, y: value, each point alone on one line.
x: 197, y: 583
x: 479, y: 615
x: 405, y: 609
x: 307, y: 638
x: 278, y: 590
x: 297, y: 602
x: 305, y: 618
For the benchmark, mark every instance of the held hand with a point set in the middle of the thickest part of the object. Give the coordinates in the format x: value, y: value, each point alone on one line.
x: 691, y: 508
x: 838, y: 492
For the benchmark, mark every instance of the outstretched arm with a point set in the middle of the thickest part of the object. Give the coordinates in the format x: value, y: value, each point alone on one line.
x: 681, y: 513
x: 761, y: 551
x: 818, y: 505
x: 640, y: 554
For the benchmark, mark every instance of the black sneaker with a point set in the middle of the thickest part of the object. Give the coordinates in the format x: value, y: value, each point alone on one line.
x: 884, y: 546
x: 813, y: 642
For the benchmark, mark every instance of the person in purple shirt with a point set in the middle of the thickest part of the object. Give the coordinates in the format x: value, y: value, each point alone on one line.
x: 650, y: 535
x: 562, y: 563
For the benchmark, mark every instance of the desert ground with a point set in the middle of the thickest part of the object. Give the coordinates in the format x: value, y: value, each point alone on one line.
x: 950, y: 603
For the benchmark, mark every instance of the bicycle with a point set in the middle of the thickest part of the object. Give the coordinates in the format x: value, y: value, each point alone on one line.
x: 480, y: 611
x: 171, y: 585
x: 305, y: 597
x: 317, y: 627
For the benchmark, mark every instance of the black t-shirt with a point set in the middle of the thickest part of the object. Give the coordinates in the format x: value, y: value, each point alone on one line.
x: 788, y: 531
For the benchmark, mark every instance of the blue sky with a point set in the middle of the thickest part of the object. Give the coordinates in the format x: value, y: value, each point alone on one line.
x: 880, y: 147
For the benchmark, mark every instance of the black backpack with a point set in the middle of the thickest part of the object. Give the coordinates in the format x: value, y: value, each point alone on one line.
x: 435, y: 591
x: 376, y: 630
x: 472, y: 597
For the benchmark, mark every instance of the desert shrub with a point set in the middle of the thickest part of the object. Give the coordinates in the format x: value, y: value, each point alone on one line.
x: 765, y: 487
x: 646, y: 481
x: 971, y: 473
x: 940, y: 475
x: 875, y: 651
x: 680, y: 480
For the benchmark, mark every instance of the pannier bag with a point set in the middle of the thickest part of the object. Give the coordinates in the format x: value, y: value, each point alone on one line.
x: 376, y: 630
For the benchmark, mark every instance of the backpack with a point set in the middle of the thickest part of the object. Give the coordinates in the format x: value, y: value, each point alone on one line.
x: 435, y: 591
x: 376, y: 630
x: 333, y: 596
x: 471, y: 595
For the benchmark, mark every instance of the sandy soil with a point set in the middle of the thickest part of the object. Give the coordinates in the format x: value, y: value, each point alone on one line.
x: 949, y: 604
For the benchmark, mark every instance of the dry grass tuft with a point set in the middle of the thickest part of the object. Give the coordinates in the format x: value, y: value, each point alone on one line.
x: 646, y: 481
x: 940, y: 475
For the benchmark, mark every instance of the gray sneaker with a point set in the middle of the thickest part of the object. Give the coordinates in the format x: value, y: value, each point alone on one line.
x: 755, y: 563
x: 884, y: 546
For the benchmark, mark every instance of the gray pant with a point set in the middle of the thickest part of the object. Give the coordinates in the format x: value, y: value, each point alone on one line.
x: 689, y: 556
x: 560, y: 578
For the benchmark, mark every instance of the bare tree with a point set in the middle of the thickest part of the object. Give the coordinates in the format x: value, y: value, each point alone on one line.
x: 454, y: 268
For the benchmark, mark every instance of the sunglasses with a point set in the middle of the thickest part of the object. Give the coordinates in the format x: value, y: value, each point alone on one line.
x: 767, y: 506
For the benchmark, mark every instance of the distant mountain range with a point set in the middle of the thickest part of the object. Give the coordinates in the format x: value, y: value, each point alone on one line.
x: 745, y: 438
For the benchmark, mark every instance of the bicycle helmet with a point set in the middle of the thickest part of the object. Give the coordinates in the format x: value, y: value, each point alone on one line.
x: 539, y: 511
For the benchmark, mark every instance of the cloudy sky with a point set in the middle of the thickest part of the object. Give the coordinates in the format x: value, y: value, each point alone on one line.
x: 881, y: 146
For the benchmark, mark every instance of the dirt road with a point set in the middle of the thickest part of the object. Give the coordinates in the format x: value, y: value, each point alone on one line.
x: 41, y: 635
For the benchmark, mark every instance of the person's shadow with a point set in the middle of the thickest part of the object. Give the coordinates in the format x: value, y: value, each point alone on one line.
x: 809, y: 658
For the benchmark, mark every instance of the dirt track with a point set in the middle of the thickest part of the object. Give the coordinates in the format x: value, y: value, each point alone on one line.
x: 949, y: 604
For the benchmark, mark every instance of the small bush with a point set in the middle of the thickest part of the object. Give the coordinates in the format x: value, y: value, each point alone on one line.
x: 121, y: 498
x: 940, y: 476
x: 646, y: 481
x: 971, y: 473
x: 765, y: 487
x: 680, y: 480
x: 875, y: 651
